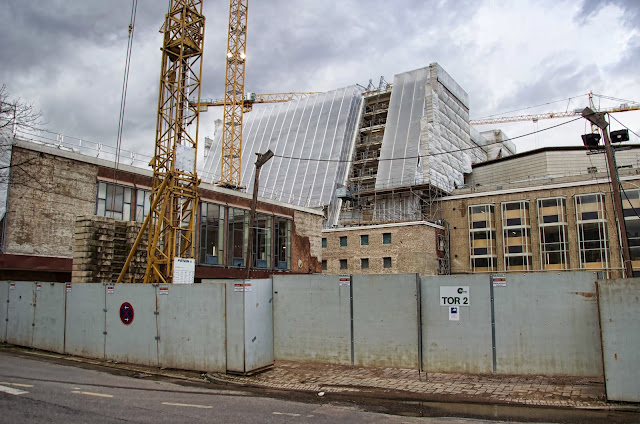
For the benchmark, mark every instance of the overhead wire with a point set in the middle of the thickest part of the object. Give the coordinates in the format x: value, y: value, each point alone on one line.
x: 533, y: 107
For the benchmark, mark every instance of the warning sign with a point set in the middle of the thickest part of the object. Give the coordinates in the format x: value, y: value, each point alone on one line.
x: 454, y: 296
x: 110, y: 289
x: 163, y: 290
x: 242, y: 287
x: 12, y: 286
x: 68, y: 287
x: 39, y: 287
x: 345, y: 280
x: 499, y: 280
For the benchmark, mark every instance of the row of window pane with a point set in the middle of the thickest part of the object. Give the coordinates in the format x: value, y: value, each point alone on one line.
x: 364, y: 263
x: 552, y: 222
x: 272, y: 234
x: 364, y: 240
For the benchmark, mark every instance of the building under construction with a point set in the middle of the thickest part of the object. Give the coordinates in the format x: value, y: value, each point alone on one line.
x: 365, y: 155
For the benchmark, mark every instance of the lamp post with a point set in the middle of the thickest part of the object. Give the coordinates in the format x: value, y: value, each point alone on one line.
x: 598, y: 119
x: 262, y: 159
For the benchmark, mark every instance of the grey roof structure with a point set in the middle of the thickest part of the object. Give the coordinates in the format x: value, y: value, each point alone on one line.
x: 312, y: 140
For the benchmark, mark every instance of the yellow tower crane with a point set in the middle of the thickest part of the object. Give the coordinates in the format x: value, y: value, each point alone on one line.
x: 234, y: 94
x: 251, y: 98
x: 174, y: 198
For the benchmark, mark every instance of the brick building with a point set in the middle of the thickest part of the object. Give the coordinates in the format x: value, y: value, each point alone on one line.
x: 549, y: 209
x: 50, y: 188
x: 404, y: 247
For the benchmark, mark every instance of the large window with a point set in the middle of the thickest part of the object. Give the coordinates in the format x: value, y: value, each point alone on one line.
x: 143, y: 204
x: 516, y: 233
x: 631, y: 208
x: 238, y: 234
x: 262, y: 241
x: 593, y: 241
x: 552, y: 222
x: 211, y: 234
x: 482, y: 238
x: 114, y: 201
x: 282, y: 238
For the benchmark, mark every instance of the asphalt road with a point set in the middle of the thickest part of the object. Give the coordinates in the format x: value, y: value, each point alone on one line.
x: 38, y: 389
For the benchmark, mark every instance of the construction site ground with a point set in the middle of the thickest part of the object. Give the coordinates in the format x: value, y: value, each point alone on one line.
x: 526, y: 398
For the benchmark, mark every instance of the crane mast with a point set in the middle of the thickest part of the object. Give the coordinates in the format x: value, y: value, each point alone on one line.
x: 234, y: 94
x: 174, y: 197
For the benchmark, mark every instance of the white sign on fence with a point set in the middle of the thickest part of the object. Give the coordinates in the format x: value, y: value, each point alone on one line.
x: 454, y: 296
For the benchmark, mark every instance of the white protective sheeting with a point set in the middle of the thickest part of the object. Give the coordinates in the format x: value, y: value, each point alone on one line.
x: 315, y: 127
x: 427, y: 139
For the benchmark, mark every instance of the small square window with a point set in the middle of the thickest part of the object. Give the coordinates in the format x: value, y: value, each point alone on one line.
x: 343, y: 241
x: 364, y: 240
x: 324, y: 264
x: 324, y: 242
x: 386, y: 238
x: 343, y: 264
x: 386, y: 262
x: 364, y: 263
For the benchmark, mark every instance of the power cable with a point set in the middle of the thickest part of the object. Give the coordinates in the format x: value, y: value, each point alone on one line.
x: 430, y: 154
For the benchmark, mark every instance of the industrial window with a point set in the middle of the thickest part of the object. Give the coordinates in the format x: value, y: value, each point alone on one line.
x: 211, y: 234
x: 631, y: 209
x: 324, y: 264
x: 386, y: 262
x: 324, y: 242
x: 482, y: 238
x: 516, y: 232
x: 364, y: 263
x: 237, y: 236
x: 552, y: 223
x: 282, y: 237
x: 114, y: 201
x: 261, y: 246
x: 364, y: 240
x: 143, y: 204
x: 593, y: 242
x: 343, y: 264
x: 386, y: 238
x: 343, y: 241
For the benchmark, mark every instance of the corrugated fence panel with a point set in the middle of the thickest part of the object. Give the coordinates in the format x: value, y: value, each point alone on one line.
x: 4, y: 298
x: 20, y: 313
x: 312, y: 320
x: 131, y: 336
x: 619, y: 302
x: 385, y: 320
x: 462, y: 345
x: 48, y: 331
x: 548, y: 324
x: 258, y: 333
x: 191, y: 326
x: 84, y: 326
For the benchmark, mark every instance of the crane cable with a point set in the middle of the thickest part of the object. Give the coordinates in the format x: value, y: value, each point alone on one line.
x: 125, y: 83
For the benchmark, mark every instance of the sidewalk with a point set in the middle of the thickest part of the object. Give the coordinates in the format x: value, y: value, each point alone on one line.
x: 572, y: 392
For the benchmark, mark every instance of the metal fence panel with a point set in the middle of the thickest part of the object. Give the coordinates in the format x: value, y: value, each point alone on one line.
x: 385, y: 320
x: 235, y: 326
x: 311, y: 318
x: 547, y: 323
x: 191, y: 327
x: 456, y: 343
x: 258, y: 333
x: 131, y: 324
x: 20, y: 311
x: 85, y: 322
x: 48, y: 331
x: 4, y: 304
x: 620, y: 320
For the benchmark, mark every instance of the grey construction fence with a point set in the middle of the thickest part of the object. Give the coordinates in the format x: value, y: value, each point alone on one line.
x: 530, y: 323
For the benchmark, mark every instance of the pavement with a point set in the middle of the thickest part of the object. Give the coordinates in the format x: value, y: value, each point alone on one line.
x: 324, y: 380
x: 529, y: 390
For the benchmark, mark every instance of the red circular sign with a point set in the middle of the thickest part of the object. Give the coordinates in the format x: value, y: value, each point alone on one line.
x: 126, y: 313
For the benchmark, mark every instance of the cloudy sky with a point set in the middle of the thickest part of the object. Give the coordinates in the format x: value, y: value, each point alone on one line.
x: 68, y: 56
